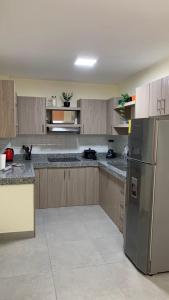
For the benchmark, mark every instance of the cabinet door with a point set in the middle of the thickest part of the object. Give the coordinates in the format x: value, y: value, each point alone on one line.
x: 7, y: 109
x: 56, y: 188
x: 43, y: 184
x: 93, y: 116
x: 36, y: 190
x: 31, y: 115
x: 155, y: 98
x: 142, y: 102
x: 112, y: 195
x: 92, y: 185
x: 165, y: 96
x: 75, y: 178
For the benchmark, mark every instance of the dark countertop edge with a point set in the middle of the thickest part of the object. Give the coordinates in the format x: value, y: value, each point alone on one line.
x: 15, y: 181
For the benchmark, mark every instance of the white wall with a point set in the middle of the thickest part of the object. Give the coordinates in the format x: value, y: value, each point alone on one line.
x: 157, y: 71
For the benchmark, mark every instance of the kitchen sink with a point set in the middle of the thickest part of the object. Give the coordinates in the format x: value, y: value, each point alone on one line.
x: 119, y: 165
x: 63, y: 159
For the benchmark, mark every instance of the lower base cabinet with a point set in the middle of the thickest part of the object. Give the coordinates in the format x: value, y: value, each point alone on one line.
x: 112, y: 197
x: 66, y: 187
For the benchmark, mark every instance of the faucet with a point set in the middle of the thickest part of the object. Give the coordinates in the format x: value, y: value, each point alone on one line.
x: 28, y: 151
x: 125, y: 152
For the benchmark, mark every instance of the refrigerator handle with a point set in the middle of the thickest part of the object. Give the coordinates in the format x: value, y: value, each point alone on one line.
x: 134, y: 186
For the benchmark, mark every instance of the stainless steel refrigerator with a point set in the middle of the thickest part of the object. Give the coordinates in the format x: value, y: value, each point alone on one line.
x: 146, y: 241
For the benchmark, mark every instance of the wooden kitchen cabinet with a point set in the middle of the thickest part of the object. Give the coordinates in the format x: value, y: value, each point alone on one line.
x: 7, y: 109
x: 112, y: 197
x: 56, y: 187
x: 31, y: 115
x: 165, y: 96
x: 36, y: 190
x: 155, y: 98
x: 43, y: 188
x: 91, y: 185
x: 142, y: 102
x: 75, y: 178
x: 93, y: 116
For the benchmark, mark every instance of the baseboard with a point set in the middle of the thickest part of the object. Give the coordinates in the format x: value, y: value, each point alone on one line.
x: 17, y: 235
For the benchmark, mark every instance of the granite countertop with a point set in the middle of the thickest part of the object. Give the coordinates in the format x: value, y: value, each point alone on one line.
x: 40, y: 161
x: 18, y: 174
x: 25, y: 172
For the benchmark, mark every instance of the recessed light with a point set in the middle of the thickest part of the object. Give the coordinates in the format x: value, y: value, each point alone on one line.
x: 85, y: 62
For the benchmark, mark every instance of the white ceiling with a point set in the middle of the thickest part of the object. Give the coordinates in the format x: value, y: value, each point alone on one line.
x: 42, y: 38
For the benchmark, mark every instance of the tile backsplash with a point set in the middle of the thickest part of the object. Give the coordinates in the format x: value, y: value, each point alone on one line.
x: 67, y: 143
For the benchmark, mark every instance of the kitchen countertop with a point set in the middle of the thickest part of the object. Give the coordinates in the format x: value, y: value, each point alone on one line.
x: 18, y: 175
x: 25, y: 172
x: 40, y: 161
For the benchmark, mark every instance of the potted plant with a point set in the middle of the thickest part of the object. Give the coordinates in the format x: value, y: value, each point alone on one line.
x: 66, y: 98
x: 124, y: 99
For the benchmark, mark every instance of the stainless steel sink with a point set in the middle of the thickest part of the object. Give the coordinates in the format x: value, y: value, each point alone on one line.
x: 63, y: 159
x: 119, y: 165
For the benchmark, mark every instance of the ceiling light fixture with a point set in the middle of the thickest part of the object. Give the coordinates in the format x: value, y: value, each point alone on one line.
x: 85, y: 62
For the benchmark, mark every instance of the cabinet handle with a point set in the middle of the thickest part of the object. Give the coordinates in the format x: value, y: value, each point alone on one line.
x: 83, y: 128
x: 69, y: 174
x: 163, y: 106
x: 43, y: 127
x: 64, y: 175
x: 159, y: 105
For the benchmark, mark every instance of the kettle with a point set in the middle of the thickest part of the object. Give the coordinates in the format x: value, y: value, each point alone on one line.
x: 9, y: 154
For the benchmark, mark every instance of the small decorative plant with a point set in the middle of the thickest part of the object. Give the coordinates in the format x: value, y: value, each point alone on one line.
x: 124, y: 99
x: 66, y: 98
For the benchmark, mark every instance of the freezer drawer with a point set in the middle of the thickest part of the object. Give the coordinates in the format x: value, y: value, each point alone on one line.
x: 139, y: 198
x: 142, y: 140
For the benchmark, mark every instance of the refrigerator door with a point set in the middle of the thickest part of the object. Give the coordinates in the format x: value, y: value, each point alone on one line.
x: 142, y: 140
x: 139, y: 213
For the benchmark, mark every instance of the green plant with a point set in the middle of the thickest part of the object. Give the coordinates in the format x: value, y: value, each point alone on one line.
x: 124, y: 98
x: 67, y: 96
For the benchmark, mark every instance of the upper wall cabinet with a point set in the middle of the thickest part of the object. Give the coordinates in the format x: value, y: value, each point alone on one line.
x: 93, y: 116
x: 7, y: 109
x: 153, y: 99
x: 142, y: 103
x: 31, y: 115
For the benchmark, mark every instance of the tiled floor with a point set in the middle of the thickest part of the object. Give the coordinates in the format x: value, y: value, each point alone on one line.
x: 76, y: 255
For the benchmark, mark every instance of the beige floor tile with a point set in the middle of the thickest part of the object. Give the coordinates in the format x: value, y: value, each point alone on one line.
x: 73, y: 254
x: 27, y: 287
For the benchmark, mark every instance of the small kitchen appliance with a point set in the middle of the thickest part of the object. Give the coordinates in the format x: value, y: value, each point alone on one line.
x: 110, y: 153
x: 9, y: 154
x: 90, y: 154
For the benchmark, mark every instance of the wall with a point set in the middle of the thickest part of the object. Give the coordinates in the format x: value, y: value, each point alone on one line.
x: 47, y: 88
x: 157, y: 71
x: 68, y: 143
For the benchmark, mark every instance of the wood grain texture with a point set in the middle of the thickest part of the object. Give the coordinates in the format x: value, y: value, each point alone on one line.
x: 7, y: 109
x: 75, y: 178
x: 31, y: 115
x: 56, y: 188
x: 93, y: 116
x: 36, y: 189
x: 91, y: 185
x: 155, y: 95
x: 112, y: 197
x: 43, y: 188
